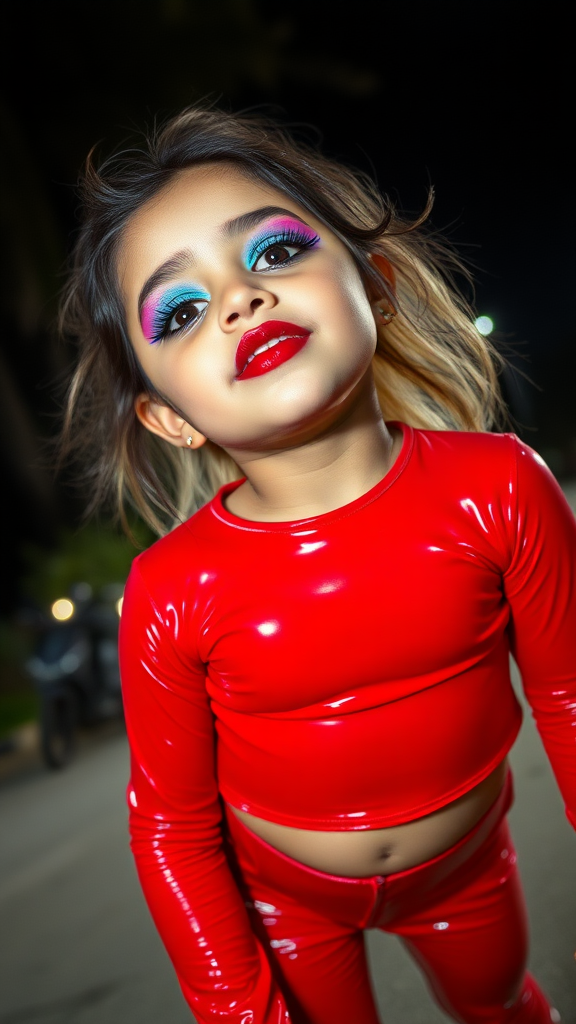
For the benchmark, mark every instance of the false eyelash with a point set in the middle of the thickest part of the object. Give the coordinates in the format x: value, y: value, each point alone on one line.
x: 162, y: 316
x: 289, y: 237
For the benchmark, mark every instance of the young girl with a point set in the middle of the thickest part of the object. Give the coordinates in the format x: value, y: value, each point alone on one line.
x: 316, y: 663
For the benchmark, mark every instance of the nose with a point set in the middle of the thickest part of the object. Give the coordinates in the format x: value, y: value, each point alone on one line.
x: 241, y: 301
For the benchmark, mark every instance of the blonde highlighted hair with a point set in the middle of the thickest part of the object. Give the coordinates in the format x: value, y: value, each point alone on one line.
x: 432, y: 367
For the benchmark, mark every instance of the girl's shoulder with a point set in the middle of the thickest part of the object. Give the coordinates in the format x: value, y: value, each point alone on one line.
x: 466, y: 443
x: 177, y: 557
x: 496, y: 470
x: 500, y: 457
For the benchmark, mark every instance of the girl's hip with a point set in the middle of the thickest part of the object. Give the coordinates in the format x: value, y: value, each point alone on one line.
x: 364, y: 902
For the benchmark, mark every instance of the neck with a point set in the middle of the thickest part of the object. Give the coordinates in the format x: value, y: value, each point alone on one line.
x: 321, y: 473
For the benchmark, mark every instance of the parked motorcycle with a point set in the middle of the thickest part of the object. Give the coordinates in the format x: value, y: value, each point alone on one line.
x: 75, y: 668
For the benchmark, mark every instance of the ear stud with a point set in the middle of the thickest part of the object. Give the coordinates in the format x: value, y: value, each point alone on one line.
x: 385, y: 316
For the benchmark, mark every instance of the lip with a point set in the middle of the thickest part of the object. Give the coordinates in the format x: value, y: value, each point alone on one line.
x: 293, y: 339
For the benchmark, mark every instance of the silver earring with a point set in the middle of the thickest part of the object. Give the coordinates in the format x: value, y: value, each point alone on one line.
x: 189, y: 440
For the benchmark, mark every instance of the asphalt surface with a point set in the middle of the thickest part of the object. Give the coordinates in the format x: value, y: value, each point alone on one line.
x: 78, y: 946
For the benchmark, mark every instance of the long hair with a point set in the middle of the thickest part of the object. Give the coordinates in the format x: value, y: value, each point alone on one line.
x: 432, y: 367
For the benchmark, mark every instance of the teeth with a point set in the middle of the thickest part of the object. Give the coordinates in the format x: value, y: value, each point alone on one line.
x: 269, y: 344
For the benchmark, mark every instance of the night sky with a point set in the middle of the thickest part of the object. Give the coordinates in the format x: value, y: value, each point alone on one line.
x: 470, y: 97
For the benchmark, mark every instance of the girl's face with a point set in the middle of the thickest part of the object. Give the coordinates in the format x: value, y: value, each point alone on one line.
x: 247, y: 314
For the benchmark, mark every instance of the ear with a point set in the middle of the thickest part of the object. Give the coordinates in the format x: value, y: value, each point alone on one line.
x: 383, y: 305
x: 385, y: 268
x: 168, y: 424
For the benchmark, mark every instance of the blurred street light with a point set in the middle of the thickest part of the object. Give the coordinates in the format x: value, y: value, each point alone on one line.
x: 63, y: 609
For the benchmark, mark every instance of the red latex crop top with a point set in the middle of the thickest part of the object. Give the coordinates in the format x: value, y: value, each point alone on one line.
x: 345, y: 671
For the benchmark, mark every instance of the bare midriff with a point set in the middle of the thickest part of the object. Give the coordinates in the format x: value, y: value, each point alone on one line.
x: 382, y: 851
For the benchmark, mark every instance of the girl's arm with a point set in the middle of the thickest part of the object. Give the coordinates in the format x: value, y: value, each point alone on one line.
x: 540, y: 585
x: 175, y: 824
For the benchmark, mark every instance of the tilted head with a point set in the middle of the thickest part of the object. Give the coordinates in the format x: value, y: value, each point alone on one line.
x: 111, y: 375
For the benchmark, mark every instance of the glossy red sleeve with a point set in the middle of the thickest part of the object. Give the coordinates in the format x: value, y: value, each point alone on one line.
x: 540, y: 586
x: 175, y: 825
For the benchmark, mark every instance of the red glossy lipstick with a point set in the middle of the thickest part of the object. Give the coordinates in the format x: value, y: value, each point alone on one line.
x: 267, y: 346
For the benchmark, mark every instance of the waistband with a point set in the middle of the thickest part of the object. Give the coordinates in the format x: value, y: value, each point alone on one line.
x: 359, y: 901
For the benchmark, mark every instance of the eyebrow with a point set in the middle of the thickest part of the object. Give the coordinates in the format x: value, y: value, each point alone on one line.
x: 165, y: 272
x: 230, y: 229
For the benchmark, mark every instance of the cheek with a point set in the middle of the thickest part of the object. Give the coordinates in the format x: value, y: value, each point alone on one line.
x: 194, y: 378
x: 353, y: 313
x: 340, y: 291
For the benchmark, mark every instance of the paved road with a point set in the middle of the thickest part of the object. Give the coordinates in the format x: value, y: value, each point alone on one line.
x: 78, y: 946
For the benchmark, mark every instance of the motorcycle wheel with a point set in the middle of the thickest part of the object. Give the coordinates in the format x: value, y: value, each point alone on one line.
x: 57, y: 729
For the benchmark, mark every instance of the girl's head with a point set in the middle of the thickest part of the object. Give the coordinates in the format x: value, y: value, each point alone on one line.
x: 214, y: 269
x: 221, y: 223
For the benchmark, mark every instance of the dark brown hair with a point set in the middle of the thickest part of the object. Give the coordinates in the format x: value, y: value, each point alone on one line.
x: 432, y: 367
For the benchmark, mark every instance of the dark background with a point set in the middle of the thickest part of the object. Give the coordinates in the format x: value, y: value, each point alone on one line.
x: 470, y: 97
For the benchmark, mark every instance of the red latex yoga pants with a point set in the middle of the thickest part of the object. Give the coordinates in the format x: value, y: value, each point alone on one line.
x: 460, y: 915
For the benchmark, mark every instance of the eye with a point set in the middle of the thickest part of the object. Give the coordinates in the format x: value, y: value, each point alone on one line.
x: 272, y: 249
x: 186, y: 313
x: 169, y: 313
x: 275, y: 255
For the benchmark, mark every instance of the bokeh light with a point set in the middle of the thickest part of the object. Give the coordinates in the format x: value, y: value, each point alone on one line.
x: 484, y: 325
x: 63, y: 609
